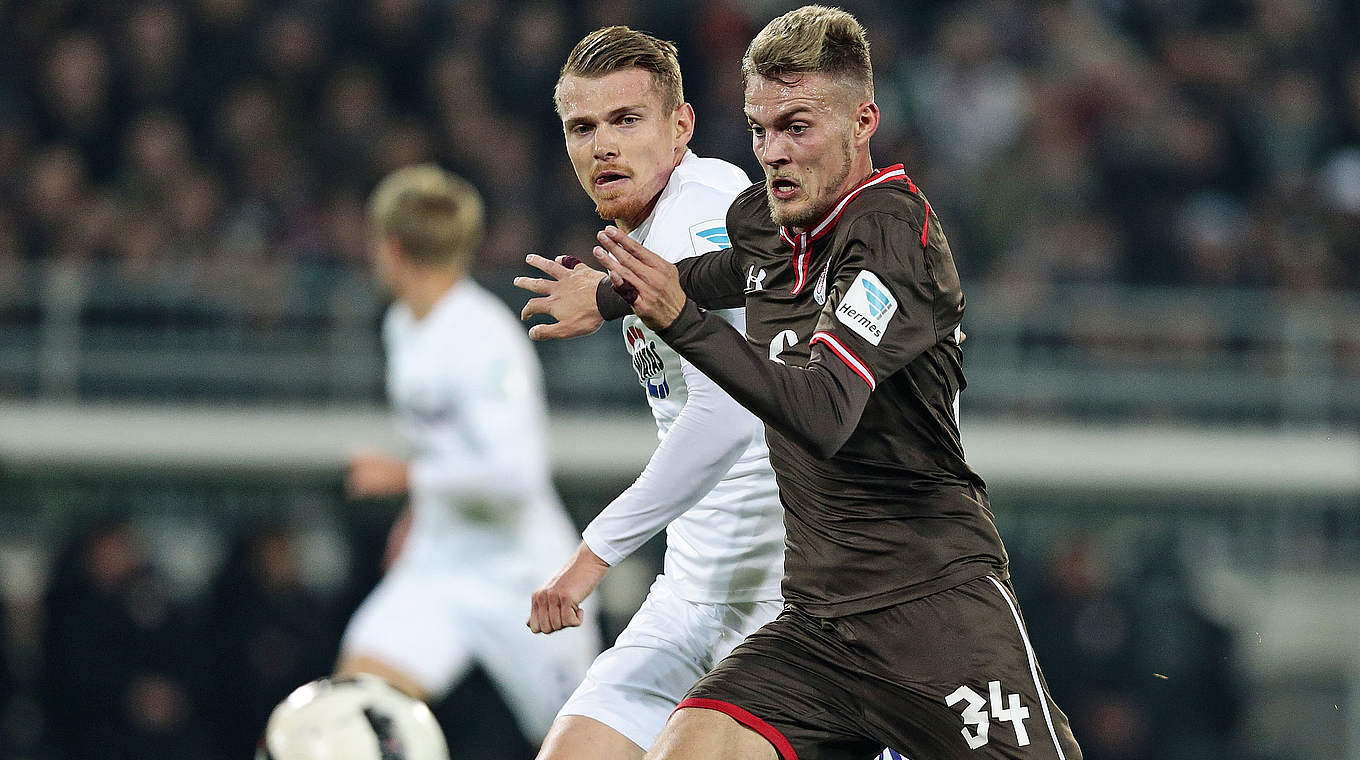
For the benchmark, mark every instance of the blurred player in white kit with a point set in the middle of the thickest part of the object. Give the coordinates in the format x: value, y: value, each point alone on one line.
x: 709, y: 482
x: 485, y: 525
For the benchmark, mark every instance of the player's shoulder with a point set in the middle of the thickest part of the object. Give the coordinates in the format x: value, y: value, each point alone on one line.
x: 483, y: 308
x: 477, y: 321
x: 691, y: 218
x: 397, y: 322
x: 697, y: 174
x: 751, y: 207
x: 887, y: 204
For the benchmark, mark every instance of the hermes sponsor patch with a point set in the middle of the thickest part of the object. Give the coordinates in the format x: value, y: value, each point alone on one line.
x: 867, y: 307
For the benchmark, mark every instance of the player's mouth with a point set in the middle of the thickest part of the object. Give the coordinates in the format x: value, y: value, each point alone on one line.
x: 607, y: 180
x: 783, y: 188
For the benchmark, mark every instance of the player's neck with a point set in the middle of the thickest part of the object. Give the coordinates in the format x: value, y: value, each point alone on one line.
x: 861, y: 169
x: 423, y: 290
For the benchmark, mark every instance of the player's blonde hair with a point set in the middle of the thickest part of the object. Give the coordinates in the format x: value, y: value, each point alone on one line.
x: 811, y: 39
x: 616, y: 48
x: 435, y: 216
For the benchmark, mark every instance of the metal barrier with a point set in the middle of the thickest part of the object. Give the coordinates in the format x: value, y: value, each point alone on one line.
x: 1100, y: 352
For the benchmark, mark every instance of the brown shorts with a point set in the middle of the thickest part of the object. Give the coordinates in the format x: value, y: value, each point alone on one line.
x: 950, y: 676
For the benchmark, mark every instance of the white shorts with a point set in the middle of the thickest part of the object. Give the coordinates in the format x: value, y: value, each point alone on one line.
x: 634, y: 686
x: 434, y: 626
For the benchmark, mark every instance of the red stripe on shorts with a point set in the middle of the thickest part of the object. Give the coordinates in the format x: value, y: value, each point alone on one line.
x: 770, y: 733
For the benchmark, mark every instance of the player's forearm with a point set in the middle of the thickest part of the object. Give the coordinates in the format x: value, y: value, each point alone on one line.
x: 707, y: 438
x: 482, y: 479
x: 713, y: 281
x: 818, y: 407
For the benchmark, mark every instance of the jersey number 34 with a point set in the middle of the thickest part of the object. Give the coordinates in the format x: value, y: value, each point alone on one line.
x: 975, y: 713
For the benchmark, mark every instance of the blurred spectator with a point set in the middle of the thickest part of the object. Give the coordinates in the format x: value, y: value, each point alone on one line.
x: 1138, y: 668
x: 122, y: 659
x: 271, y: 634
x: 7, y: 689
x: 1158, y: 139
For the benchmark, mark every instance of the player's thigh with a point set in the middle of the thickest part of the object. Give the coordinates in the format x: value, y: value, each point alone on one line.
x: 791, y: 685
x: 635, y: 685
x: 702, y: 734
x: 736, y: 621
x: 410, y: 626
x: 577, y: 737
x: 354, y: 663
x: 535, y: 673
x: 952, y: 676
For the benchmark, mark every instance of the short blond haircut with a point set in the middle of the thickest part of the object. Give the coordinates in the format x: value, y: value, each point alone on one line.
x: 616, y: 48
x: 811, y: 39
x: 435, y: 216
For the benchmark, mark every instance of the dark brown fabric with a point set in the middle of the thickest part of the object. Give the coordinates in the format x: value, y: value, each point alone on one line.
x: 880, y: 506
x: 901, y: 677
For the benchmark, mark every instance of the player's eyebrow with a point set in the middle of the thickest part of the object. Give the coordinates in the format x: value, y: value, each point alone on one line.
x: 783, y: 117
x: 612, y: 115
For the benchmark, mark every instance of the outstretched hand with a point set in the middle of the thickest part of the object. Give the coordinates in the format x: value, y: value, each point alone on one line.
x: 659, y: 297
x: 568, y: 297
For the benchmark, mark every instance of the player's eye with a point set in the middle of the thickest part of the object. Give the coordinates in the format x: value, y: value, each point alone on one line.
x: 581, y: 129
x: 756, y: 130
x: 797, y: 129
x: 629, y: 121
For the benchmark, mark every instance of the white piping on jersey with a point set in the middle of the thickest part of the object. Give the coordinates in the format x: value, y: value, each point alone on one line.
x: 958, y: 339
x: 846, y: 355
x: 1033, y: 666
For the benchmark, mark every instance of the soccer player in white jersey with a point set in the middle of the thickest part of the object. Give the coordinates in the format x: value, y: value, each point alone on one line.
x: 484, y: 522
x: 709, y: 483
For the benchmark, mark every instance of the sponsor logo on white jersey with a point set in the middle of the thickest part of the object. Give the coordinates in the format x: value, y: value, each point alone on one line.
x: 647, y: 363
x: 709, y: 236
x: 867, y: 307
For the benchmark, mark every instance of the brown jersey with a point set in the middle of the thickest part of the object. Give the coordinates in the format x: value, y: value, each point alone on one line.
x: 851, y: 356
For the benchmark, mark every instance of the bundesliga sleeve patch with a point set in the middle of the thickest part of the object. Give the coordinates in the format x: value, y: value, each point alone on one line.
x: 709, y: 236
x: 867, y: 307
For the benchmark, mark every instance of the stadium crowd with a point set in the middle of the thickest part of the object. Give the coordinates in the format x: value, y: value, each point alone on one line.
x: 210, y: 160
x: 215, y: 154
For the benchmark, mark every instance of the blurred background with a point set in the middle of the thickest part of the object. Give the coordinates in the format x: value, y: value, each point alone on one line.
x: 1154, y: 205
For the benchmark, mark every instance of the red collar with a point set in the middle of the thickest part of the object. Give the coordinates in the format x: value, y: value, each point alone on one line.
x: 802, y: 241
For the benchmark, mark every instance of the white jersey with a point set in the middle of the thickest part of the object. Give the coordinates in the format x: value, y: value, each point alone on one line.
x: 467, y: 390
x: 709, y: 481
x: 486, y: 525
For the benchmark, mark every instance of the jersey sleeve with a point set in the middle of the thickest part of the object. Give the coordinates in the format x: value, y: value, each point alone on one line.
x: 817, y: 406
x: 712, y: 281
x: 892, y: 299
x: 707, y: 438
x: 496, y: 430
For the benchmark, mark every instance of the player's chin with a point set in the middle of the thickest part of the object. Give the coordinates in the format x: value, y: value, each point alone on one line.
x: 617, y: 208
x: 795, y: 213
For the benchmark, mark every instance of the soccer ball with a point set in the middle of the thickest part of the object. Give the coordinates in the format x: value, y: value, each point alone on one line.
x: 351, y: 718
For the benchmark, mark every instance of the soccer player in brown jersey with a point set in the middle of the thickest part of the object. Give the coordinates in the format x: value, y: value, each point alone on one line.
x: 901, y: 627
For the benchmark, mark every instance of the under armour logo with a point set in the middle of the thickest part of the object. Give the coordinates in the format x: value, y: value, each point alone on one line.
x: 755, y: 280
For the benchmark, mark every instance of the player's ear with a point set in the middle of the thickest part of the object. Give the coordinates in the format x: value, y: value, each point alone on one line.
x: 684, y: 124
x: 390, y: 252
x: 866, y: 121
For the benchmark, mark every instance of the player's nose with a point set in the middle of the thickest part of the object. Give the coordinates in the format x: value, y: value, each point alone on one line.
x: 605, y: 146
x: 772, y: 150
